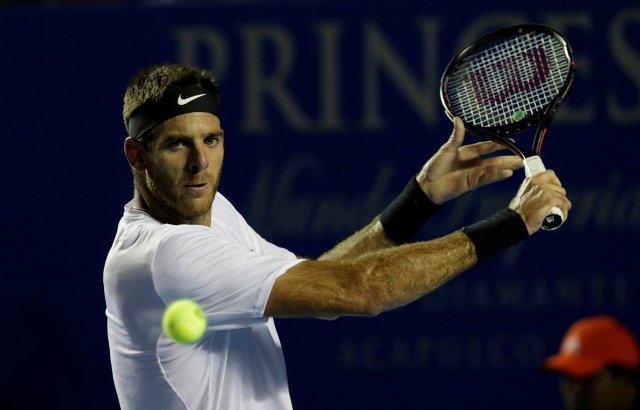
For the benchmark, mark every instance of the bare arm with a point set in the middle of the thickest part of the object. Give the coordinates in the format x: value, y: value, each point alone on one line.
x: 454, y: 170
x: 368, y: 273
x: 383, y: 279
x: 372, y: 283
x: 370, y: 238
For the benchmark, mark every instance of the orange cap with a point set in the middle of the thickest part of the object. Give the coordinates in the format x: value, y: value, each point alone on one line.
x: 593, y: 343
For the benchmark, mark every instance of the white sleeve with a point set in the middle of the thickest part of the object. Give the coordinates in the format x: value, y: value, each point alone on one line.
x: 230, y: 283
x: 269, y: 248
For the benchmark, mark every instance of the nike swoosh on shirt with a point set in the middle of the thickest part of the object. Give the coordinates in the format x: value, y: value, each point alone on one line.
x: 184, y: 101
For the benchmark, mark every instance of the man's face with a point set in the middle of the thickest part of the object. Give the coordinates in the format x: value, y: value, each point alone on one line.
x: 183, y: 167
x: 602, y: 391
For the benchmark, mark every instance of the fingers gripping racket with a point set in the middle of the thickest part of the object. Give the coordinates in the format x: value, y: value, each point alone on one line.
x: 508, y: 81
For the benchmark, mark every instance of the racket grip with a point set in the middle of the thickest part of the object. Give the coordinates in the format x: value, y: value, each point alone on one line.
x: 533, y: 166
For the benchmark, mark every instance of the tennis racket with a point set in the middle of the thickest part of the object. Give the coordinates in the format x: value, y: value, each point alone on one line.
x: 508, y: 81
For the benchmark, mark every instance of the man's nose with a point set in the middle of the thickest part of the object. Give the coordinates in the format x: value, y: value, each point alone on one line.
x: 197, y: 160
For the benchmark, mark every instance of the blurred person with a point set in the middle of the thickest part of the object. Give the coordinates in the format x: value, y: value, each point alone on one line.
x: 181, y: 238
x: 599, y: 364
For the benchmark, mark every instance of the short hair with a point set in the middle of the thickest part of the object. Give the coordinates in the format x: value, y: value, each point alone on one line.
x: 150, y: 84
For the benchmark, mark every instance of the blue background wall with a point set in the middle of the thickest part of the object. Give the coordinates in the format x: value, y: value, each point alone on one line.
x: 328, y: 109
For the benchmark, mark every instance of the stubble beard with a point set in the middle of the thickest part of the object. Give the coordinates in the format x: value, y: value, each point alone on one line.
x: 177, y: 204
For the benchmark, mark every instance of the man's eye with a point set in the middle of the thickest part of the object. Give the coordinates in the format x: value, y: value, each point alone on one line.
x: 174, y: 144
x: 211, y: 140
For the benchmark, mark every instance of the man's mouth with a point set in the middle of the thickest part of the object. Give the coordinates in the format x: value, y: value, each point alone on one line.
x: 197, y: 187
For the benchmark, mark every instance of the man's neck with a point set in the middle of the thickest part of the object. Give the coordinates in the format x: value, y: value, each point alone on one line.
x: 159, y: 213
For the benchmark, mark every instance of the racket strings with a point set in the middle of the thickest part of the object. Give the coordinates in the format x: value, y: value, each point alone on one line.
x: 508, y: 80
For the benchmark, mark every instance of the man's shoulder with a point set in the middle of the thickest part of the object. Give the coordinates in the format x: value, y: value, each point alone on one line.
x: 137, y: 228
x: 223, y: 207
x: 224, y: 214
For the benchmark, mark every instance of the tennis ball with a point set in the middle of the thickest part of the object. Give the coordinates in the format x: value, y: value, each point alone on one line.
x: 184, y: 321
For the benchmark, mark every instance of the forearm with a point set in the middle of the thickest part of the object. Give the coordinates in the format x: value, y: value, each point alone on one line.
x: 368, y: 239
x: 399, y: 276
x: 372, y: 283
x: 395, y: 225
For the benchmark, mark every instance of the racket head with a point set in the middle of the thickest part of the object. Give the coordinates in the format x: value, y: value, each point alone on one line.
x: 507, y: 81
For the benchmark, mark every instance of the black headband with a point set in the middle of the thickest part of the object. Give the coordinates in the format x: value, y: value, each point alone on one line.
x: 174, y: 102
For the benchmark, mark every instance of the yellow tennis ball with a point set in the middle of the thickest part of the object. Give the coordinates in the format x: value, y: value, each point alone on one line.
x: 184, y: 321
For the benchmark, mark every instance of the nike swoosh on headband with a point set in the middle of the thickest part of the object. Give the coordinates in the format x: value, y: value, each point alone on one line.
x: 184, y: 101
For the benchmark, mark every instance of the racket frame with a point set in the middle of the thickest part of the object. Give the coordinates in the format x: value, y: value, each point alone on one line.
x: 544, y: 117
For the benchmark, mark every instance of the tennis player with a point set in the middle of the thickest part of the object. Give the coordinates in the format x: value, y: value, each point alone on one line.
x: 181, y: 238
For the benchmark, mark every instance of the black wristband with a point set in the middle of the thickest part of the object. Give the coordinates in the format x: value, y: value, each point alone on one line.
x: 496, y: 233
x: 407, y: 213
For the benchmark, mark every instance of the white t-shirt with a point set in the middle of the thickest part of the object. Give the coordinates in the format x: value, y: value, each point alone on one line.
x: 229, y: 270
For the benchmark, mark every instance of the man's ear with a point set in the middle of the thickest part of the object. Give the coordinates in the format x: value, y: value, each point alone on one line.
x: 133, y: 152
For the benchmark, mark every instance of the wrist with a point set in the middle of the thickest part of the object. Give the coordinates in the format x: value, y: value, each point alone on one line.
x: 430, y: 196
x: 404, y: 217
x: 426, y: 185
x: 497, y: 233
